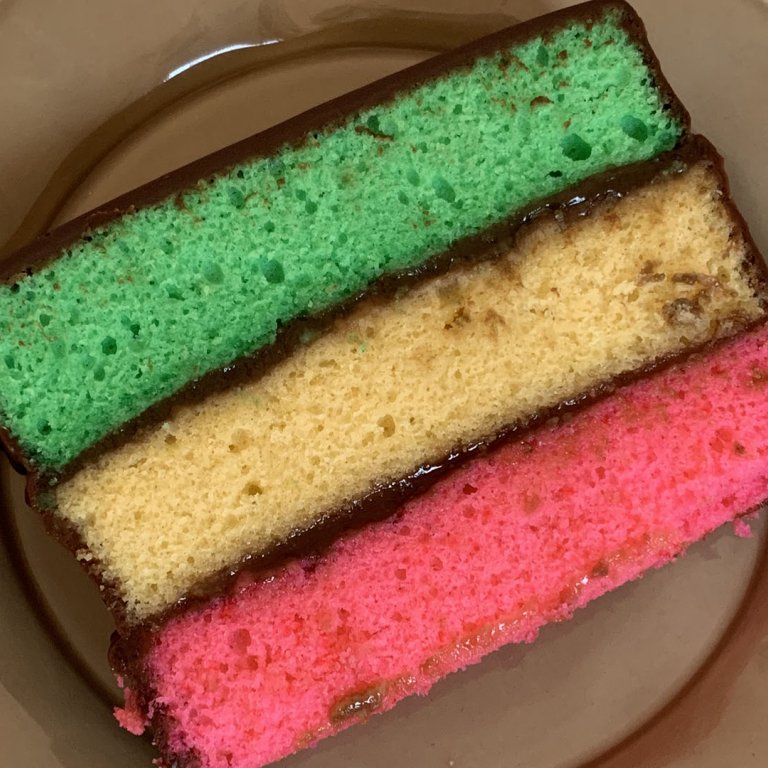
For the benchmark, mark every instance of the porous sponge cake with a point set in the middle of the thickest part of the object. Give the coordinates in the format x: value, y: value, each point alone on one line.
x: 400, y: 384
x: 517, y: 538
x: 204, y: 266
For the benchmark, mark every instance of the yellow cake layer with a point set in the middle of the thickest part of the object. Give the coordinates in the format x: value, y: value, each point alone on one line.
x: 401, y: 383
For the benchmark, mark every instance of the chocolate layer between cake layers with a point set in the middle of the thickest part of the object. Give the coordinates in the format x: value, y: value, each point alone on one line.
x: 623, y: 275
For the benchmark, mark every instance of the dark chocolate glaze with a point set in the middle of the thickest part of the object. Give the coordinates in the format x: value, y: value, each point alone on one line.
x: 161, y: 739
x: 384, y: 500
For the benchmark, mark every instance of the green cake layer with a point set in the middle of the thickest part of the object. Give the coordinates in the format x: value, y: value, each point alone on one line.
x: 165, y: 293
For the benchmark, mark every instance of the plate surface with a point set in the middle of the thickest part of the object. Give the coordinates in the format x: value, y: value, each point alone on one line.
x: 672, y: 670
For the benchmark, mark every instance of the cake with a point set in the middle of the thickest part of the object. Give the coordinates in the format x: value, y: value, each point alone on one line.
x: 110, y: 315
x: 517, y: 538
x: 337, y: 410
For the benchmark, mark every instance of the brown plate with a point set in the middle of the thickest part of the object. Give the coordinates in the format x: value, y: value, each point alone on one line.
x: 668, y: 671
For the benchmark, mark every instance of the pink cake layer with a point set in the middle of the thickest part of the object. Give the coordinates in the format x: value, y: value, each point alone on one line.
x: 511, y: 542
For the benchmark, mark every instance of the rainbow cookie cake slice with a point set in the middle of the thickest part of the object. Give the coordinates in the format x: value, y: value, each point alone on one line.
x: 493, y: 325
x: 266, y: 347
